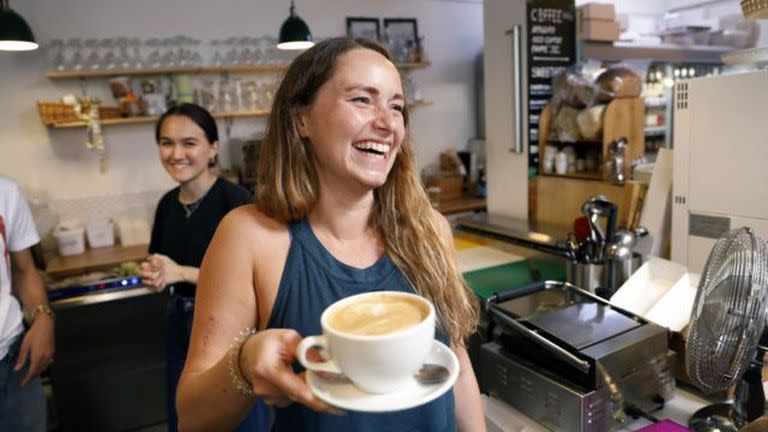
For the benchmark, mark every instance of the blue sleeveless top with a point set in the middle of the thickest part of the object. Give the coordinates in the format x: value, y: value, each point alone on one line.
x: 313, y: 279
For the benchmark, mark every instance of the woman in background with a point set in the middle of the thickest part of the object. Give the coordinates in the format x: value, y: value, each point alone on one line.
x: 340, y: 210
x: 185, y: 221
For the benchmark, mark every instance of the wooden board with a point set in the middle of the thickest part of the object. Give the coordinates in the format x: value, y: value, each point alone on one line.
x: 95, y: 259
x: 558, y: 200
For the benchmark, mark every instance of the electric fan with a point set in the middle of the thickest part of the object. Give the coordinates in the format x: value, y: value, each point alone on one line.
x: 727, y: 322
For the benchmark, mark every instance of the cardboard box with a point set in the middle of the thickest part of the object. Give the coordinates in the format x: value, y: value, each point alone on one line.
x: 599, y: 30
x: 601, y: 11
x: 450, y: 186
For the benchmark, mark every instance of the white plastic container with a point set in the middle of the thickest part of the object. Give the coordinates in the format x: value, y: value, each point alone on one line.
x: 70, y: 238
x: 648, y: 285
x: 100, y: 232
x: 133, y: 231
x: 673, y: 311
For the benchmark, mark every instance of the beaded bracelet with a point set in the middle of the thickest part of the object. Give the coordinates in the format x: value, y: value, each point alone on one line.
x: 241, y: 384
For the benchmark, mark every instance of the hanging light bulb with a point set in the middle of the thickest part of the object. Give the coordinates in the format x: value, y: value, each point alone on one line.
x: 15, y: 34
x: 294, y: 33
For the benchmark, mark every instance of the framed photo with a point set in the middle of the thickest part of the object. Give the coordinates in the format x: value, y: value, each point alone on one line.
x: 401, y: 31
x: 363, y: 28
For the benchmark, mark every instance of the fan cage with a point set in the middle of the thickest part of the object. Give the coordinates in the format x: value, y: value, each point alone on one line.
x: 729, y: 313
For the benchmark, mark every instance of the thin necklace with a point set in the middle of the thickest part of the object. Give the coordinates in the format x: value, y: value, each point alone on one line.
x: 191, y: 207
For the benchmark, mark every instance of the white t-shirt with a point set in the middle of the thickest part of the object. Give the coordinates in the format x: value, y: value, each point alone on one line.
x: 17, y: 232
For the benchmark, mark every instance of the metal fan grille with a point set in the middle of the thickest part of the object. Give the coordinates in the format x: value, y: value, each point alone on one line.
x: 729, y: 313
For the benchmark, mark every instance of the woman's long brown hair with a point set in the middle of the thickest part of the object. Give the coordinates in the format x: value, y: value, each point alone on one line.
x: 288, y: 189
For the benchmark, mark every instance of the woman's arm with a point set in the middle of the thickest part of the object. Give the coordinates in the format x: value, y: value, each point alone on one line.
x: 160, y: 271
x: 226, y: 303
x: 469, y: 408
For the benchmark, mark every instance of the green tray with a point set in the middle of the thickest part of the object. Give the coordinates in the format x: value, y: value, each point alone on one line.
x: 505, y: 277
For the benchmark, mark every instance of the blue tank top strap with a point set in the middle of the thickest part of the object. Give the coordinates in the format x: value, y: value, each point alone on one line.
x: 312, y: 279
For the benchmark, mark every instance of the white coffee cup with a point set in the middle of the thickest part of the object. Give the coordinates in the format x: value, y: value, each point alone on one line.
x: 561, y: 163
x: 377, y: 339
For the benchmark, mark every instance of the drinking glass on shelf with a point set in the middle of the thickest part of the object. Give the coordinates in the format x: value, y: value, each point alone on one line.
x: 154, y: 60
x: 217, y: 59
x: 168, y: 58
x: 272, y: 53
x: 262, y: 49
x: 194, y: 58
x: 136, y: 59
x: 56, y: 51
x: 250, y: 96
x: 209, y: 95
x: 232, y: 57
x: 93, y: 60
x: 108, y: 60
x: 236, y: 93
x: 225, y: 97
x: 123, y: 56
x: 76, y: 62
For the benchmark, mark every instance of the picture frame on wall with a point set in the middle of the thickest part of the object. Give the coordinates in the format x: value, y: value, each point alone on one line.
x: 363, y: 28
x: 402, y: 36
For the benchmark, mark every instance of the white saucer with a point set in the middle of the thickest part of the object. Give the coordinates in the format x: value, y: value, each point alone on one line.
x: 347, y: 396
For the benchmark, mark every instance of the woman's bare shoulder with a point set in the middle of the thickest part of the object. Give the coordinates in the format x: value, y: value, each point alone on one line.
x: 248, y: 223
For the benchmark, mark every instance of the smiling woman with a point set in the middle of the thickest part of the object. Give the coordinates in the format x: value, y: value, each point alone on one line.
x: 355, y: 125
x: 340, y: 210
x: 185, y: 220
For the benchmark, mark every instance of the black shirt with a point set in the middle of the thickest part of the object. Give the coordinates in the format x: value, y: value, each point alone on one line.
x: 185, y: 239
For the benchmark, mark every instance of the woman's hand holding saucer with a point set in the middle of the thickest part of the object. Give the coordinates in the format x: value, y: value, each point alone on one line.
x: 265, y: 362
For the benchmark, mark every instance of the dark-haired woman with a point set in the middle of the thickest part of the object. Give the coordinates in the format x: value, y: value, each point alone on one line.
x: 185, y: 220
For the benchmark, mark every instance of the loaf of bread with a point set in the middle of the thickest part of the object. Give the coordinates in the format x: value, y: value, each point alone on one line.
x: 619, y: 82
x: 565, y: 128
x: 590, y: 121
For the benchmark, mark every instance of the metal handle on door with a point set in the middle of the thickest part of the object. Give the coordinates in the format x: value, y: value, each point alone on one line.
x: 517, y: 87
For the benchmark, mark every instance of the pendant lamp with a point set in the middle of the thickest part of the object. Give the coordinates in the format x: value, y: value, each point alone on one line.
x: 294, y: 33
x: 15, y: 34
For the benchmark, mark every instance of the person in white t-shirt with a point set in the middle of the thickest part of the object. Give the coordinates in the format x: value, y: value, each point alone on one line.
x: 23, y: 354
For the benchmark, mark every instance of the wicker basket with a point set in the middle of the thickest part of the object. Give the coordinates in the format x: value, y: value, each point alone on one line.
x: 52, y: 113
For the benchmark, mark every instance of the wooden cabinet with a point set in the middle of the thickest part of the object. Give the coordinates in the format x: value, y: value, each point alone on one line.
x: 621, y: 118
x: 557, y: 201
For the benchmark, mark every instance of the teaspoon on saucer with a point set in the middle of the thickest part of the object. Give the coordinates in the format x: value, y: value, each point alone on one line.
x: 430, y: 373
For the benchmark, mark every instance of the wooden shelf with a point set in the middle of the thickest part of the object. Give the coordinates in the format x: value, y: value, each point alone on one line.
x: 152, y: 119
x: 421, y: 103
x: 409, y: 65
x: 669, y: 53
x: 260, y: 68
x: 95, y: 259
x: 655, y: 130
x: 576, y: 175
x: 574, y: 143
x: 461, y: 205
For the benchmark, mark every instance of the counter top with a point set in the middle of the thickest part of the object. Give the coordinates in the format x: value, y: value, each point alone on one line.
x: 95, y: 259
x: 460, y: 205
x: 501, y: 416
x: 103, y: 297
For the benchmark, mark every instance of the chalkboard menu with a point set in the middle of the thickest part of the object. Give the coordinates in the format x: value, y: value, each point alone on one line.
x: 551, y: 47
